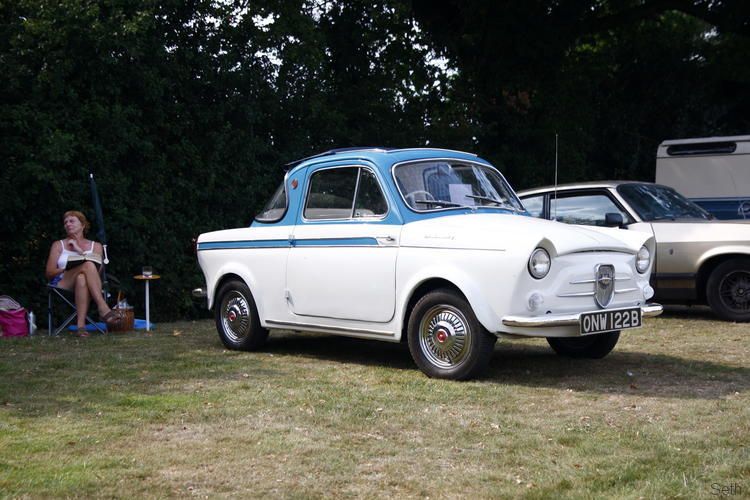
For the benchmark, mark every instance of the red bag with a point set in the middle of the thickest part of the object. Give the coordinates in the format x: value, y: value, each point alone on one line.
x: 13, y: 323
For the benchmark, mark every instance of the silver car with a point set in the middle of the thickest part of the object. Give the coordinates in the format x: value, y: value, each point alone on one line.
x: 699, y: 259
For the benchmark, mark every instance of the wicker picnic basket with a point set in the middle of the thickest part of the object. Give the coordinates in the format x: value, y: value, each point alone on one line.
x: 127, y: 313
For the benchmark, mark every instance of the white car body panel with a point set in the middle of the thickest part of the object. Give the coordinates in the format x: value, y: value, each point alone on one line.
x: 318, y: 278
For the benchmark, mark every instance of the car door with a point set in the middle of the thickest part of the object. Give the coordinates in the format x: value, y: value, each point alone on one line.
x: 342, y: 260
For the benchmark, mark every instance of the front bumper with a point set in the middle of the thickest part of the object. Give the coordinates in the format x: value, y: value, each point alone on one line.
x: 557, y: 320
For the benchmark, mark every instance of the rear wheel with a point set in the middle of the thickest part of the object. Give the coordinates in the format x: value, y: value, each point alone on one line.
x: 237, y: 319
x: 445, y: 338
x: 728, y: 290
x: 591, y: 346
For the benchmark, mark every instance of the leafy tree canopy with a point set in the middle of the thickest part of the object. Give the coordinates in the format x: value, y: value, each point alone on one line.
x: 612, y: 78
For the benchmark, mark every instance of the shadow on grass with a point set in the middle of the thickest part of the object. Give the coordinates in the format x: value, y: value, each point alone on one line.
x: 697, y: 312
x: 536, y: 365
x: 43, y: 376
x: 342, y: 349
x: 621, y: 372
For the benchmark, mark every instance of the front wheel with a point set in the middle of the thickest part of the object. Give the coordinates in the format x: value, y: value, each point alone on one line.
x: 445, y: 338
x: 237, y: 319
x: 728, y: 290
x: 592, y: 346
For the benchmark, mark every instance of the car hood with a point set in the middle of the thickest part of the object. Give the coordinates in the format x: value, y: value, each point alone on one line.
x: 503, y: 231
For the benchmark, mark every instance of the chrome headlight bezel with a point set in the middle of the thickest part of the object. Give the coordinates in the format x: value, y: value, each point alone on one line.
x: 539, y: 263
x: 643, y: 260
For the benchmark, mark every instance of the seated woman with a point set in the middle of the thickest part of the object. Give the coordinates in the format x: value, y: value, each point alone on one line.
x: 83, y: 279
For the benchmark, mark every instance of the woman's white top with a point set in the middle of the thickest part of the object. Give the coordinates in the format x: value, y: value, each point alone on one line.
x: 62, y: 260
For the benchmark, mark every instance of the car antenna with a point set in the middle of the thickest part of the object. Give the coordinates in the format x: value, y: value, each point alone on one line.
x: 554, y: 215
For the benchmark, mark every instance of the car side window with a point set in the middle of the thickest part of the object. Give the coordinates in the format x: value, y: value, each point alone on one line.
x: 370, y: 200
x: 586, y: 209
x: 275, y: 208
x: 534, y: 205
x: 343, y: 193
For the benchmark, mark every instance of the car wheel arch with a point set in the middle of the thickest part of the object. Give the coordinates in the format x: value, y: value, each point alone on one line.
x: 707, y: 267
x: 225, y: 278
x: 422, y: 289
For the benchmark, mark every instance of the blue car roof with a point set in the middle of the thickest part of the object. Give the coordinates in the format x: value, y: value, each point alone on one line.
x: 383, y: 157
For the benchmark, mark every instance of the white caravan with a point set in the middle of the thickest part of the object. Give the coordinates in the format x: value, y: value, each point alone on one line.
x: 714, y: 172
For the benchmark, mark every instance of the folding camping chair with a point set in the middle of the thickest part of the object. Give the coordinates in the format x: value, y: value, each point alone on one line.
x: 67, y: 298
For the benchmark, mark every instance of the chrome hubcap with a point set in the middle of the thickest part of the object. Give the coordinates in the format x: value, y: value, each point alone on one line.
x: 235, y: 316
x: 734, y: 290
x: 444, y: 336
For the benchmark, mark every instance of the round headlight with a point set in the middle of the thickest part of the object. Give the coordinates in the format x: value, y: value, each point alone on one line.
x: 643, y: 260
x: 539, y: 263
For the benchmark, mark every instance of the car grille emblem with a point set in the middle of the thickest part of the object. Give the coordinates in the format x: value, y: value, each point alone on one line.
x: 604, y: 285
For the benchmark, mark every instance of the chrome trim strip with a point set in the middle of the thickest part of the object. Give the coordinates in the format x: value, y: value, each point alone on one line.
x: 583, y: 282
x: 591, y: 294
x: 308, y: 326
x: 648, y: 311
x: 578, y: 294
x: 429, y: 149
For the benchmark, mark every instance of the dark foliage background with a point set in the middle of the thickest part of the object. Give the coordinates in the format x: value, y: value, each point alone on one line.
x: 186, y: 110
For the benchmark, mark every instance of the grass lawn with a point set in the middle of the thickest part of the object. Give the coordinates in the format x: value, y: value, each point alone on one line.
x: 173, y: 414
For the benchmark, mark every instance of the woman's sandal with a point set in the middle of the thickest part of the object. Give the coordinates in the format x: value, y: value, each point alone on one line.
x: 112, y: 318
x: 81, y: 332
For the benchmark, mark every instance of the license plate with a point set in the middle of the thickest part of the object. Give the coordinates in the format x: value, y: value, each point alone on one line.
x: 607, y: 321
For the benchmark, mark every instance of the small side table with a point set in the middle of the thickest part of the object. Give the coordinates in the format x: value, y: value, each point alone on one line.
x: 146, y: 280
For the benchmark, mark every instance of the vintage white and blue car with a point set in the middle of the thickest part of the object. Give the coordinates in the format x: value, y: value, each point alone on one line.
x: 425, y: 245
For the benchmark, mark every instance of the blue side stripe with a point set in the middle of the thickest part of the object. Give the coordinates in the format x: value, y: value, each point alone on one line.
x: 215, y: 245
x: 321, y: 242
x: 336, y: 242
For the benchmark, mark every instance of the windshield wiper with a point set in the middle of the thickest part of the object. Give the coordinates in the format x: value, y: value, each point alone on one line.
x: 499, y: 203
x: 439, y: 203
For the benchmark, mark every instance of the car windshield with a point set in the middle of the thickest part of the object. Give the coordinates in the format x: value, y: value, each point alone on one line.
x: 654, y: 202
x: 437, y: 185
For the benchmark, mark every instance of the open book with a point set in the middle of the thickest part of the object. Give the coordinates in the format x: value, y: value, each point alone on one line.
x: 77, y: 260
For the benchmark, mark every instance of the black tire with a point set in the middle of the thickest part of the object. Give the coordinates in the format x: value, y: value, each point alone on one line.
x: 728, y: 290
x: 237, y: 319
x: 445, y: 338
x: 591, y: 346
